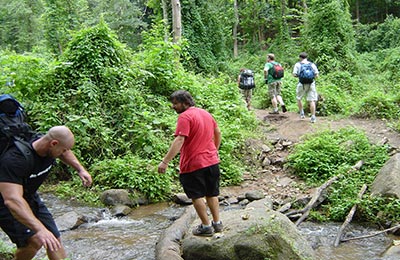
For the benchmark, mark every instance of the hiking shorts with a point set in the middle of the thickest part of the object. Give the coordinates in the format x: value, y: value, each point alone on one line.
x: 307, y: 90
x: 246, y: 93
x: 19, y: 233
x: 274, y: 89
x: 201, y: 183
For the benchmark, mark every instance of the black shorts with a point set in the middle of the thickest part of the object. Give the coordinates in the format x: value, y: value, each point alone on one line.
x: 201, y: 183
x: 18, y: 232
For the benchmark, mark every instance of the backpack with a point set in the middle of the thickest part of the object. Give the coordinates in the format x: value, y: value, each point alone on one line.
x: 247, y: 80
x: 277, y: 70
x: 306, y: 74
x: 13, y: 128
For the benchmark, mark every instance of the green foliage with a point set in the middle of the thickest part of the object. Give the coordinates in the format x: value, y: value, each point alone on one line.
x: 207, y: 28
x: 330, y: 153
x: 20, y: 74
x: 59, y: 19
x: 378, y: 105
x: 329, y: 43
x: 379, y: 209
x: 20, y: 25
x: 6, y: 251
x: 132, y: 172
x: 126, y: 18
x: 327, y: 154
x: 373, y: 37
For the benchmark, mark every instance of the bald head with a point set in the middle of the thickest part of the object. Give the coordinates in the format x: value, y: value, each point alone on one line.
x: 62, y: 134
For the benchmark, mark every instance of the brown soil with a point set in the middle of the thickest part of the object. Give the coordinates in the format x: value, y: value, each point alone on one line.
x: 274, y: 180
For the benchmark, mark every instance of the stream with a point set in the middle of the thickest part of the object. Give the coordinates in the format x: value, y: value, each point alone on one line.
x: 135, y: 236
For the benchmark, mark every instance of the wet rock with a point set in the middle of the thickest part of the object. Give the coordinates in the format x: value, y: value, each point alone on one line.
x: 255, y: 195
x: 256, y: 232
x: 68, y: 221
x: 120, y: 210
x: 115, y: 197
x: 244, y: 202
x: 182, y: 199
x: 233, y: 200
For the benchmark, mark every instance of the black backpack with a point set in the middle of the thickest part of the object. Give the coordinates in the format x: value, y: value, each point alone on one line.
x: 247, y: 80
x: 14, y: 131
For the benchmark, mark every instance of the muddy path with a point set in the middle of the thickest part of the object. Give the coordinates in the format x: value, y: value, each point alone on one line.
x: 274, y: 180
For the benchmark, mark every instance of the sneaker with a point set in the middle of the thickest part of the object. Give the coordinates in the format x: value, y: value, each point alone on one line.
x: 283, y: 108
x: 302, y: 116
x: 217, y: 226
x: 204, y: 231
x: 313, y: 119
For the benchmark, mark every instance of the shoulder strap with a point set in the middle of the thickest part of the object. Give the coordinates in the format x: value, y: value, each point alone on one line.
x: 25, y: 148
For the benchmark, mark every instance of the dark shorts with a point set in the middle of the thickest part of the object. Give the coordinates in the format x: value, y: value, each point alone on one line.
x: 19, y: 233
x: 201, y: 183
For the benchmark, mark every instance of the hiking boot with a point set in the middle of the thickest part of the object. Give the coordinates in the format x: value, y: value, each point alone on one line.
x: 283, y: 108
x: 302, y: 116
x: 204, y: 231
x: 313, y: 119
x: 217, y: 226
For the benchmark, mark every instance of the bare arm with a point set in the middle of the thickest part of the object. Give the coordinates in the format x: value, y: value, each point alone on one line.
x: 172, y: 152
x: 70, y: 159
x: 13, y: 199
x: 217, y: 137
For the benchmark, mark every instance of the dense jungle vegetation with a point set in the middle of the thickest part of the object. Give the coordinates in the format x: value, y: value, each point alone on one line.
x: 106, y: 70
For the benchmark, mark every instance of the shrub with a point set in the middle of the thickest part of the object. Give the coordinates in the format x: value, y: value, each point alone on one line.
x: 378, y: 105
x: 333, y: 153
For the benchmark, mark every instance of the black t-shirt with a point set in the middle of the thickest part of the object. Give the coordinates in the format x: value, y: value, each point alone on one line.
x: 13, y: 169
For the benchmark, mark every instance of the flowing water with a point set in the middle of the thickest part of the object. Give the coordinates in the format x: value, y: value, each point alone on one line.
x: 135, y: 236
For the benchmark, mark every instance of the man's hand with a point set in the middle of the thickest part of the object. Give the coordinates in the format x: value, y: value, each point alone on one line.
x: 47, y: 239
x: 162, y: 167
x: 85, y: 177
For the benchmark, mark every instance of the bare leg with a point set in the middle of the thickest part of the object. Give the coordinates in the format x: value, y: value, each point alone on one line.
x: 300, y: 105
x: 26, y: 253
x: 274, y: 103
x: 312, y: 108
x: 213, y: 204
x: 280, y: 100
x: 57, y: 255
x: 201, y: 209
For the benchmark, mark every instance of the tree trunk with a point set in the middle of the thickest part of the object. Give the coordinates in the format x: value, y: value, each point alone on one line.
x: 235, y: 40
x: 176, y: 20
x: 358, y: 10
x: 165, y: 19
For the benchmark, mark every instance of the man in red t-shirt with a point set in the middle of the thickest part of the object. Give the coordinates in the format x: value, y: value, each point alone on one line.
x: 197, y: 138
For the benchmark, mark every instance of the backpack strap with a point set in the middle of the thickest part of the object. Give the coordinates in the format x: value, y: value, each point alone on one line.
x: 25, y: 148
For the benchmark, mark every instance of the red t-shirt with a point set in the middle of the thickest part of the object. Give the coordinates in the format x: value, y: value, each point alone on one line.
x: 198, y: 151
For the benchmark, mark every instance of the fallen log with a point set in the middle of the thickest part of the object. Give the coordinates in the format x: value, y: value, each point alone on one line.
x: 350, y: 215
x: 314, y: 200
x: 371, y: 235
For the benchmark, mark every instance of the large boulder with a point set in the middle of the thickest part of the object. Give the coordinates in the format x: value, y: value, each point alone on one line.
x: 254, y: 233
x: 387, y: 182
x: 115, y: 197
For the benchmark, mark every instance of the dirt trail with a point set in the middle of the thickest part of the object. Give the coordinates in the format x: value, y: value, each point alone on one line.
x: 279, y: 184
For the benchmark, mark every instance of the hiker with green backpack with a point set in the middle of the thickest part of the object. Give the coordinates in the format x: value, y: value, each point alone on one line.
x: 307, y: 72
x: 273, y: 74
